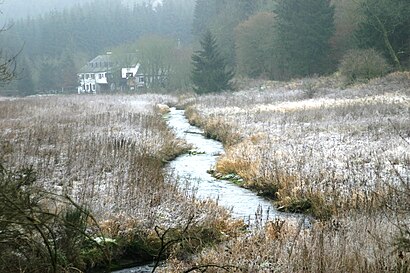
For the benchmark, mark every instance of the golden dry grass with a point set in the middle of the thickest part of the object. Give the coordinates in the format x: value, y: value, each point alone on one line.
x: 339, y: 154
x: 106, y: 153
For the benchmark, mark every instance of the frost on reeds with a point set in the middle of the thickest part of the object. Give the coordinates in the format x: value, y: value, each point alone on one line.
x: 339, y: 147
x: 342, y: 155
x: 107, y: 154
x: 105, y: 149
x: 360, y: 243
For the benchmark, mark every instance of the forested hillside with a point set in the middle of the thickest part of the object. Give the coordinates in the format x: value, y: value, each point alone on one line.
x: 61, y: 42
x: 271, y: 39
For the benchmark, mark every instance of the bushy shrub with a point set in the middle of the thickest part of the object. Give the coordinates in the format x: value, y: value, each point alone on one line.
x: 362, y: 65
x: 41, y: 231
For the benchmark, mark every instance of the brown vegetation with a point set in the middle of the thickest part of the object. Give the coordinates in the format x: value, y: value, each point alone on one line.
x: 105, y: 153
x: 339, y: 154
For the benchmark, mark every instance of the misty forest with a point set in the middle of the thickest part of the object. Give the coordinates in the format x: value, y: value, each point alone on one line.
x: 205, y: 136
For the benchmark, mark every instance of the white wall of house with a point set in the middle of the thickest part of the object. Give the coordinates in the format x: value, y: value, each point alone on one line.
x: 134, y: 79
x: 89, y: 82
x: 93, y: 77
x: 129, y: 72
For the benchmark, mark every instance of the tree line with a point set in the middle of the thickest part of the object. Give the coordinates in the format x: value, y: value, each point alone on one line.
x: 57, y: 44
x: 272, y: 39
x: 283, y: 39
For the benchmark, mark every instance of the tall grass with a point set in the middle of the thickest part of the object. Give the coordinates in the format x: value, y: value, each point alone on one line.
x: 340, y: 155
x: 336, y: 150
x: 107, y: 154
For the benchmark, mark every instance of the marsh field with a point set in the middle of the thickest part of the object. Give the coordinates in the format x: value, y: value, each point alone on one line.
x: 84, y: 186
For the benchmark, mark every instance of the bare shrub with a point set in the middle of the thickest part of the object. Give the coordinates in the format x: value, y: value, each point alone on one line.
x: 44, y: 232
x: 363, y: 64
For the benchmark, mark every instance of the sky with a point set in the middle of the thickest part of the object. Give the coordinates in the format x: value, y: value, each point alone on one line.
x: 17, y: 9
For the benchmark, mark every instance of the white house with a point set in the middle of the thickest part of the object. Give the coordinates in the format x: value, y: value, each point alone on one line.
x: 133, y: 76
x: 93, y: 77
x: 98, y: 76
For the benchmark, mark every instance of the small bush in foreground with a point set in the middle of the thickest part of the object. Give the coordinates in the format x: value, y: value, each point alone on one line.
x: 42, y: 232
x: 363, y: 64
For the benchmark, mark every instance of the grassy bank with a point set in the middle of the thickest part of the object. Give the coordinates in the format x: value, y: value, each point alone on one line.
x: 339, y: 154
x: 316, y: 146
x: 103, y: 157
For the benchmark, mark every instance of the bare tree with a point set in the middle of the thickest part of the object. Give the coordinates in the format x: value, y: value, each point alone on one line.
x: 7, y: 67
x: 8, y: 63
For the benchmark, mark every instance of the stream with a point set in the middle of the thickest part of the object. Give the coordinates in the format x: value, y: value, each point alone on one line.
x: 193, y: 167
x: 243, y: 204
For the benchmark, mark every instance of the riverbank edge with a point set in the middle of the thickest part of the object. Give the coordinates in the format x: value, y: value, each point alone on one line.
x: 150, y: 258
x: 217, y: 129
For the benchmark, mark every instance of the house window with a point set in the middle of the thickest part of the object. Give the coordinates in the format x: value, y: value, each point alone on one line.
x: 100, y: 76
x: 93, y: 86
x: 87, y: 76
x: 141, y: 79
x: 87, y: 87
x: 92, y: 76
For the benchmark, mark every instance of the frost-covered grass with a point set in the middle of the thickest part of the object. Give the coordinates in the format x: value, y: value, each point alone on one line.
x: 339, y: 146
x: 361, y: 243
x: 106, y: 153
x: 341, y: 154
x: 99, y: 150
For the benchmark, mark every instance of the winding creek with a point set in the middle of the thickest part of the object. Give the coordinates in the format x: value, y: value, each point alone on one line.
x: 243, y: 204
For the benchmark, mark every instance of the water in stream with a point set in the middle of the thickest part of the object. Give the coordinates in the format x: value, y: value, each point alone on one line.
x: 243, y: 203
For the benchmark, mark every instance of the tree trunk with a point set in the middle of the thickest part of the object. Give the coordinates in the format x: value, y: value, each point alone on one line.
x: 388, y: 45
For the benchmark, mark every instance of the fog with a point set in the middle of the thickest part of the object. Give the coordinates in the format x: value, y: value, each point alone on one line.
x: 18, y: 9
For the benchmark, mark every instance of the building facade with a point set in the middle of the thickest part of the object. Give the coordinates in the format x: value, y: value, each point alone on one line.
x: 95, y: 76
x: 99, y: 75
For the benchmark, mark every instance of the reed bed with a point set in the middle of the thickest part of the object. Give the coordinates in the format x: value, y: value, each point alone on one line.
x: 339, y: 154
x: 105, y: 153
x: 336, y: 149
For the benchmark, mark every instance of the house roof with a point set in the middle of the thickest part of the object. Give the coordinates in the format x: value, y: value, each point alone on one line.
x: 101, y: 63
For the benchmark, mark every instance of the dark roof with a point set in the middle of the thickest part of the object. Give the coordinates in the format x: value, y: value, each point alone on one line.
x: 101, y: 63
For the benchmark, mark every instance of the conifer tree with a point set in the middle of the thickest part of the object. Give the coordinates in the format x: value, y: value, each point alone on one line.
x: 204, y: 13
x: 25, y: 84
x: 210, y: 72
x: 303, y: 32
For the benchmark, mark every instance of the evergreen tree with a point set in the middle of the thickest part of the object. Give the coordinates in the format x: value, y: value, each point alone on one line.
x: 254, y: 45
x: 246, y: 8
x: 303, y: 32
x: 67, y: 72
x: 210, y: 72
x: 47, y: 80
x: 25, y: 84
x: 204, y: 13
